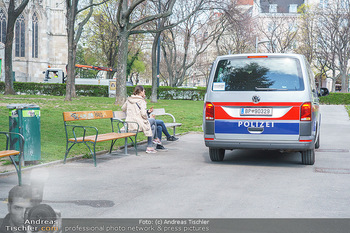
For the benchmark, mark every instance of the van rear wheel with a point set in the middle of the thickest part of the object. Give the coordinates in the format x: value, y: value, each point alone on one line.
x: 308, y: 157
x: 216, y: 155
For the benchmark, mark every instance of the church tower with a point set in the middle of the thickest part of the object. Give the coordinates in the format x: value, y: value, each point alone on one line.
x: 40, y: 39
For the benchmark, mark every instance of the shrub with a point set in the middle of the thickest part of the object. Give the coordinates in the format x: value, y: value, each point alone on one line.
x: 57, y: 89
x: 336, y: 98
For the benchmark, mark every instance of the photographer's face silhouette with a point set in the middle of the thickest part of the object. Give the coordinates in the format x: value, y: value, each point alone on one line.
x: 17, y: 210
x: 20, y: 199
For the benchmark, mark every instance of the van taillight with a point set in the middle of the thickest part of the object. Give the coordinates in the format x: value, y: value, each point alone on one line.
x: 209, y: 111
x: 306, y: 112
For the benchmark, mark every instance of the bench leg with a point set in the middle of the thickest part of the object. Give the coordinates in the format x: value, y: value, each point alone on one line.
x: 126, y: 146
x: 134, y: 142
x: 18, y: 168
x: 94, y: 155
x: 67, y: 151
x: 112, y: 144
x: 135, y: 145
x: 174, y: 131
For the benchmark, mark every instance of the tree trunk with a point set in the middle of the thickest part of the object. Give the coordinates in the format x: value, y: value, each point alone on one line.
x: 13, y: 14
x: 154, y: 68
x: 122, y: 58
x: 70, y: 83
x: 344, y: 82
x: 334, y: 79
x: 8, y: 59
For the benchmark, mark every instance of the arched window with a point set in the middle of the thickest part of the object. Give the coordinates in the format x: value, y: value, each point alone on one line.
x: 20, y: 37
x: 35, y: 36
x: 2, y: 26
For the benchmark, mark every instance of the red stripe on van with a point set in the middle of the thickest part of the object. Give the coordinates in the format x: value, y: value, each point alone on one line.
x: 292, y: 114
x: 261, y: 104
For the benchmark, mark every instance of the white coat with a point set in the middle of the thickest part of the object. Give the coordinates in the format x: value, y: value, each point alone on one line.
x: 136, y: 111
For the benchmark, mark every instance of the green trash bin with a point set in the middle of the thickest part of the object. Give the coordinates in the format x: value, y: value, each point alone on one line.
x: 25, y: 119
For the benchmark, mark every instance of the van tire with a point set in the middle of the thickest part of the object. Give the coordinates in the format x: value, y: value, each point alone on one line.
x: 308, y: 157
x: 216, y: 155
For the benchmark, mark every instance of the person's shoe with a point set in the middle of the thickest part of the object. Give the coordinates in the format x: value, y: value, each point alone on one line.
x: 151, y: 151
x: 161, y: 148
x: 172, y: 138
x: 157, y: 141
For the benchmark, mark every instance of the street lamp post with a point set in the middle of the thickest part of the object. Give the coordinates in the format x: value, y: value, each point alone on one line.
x: 257, y: 42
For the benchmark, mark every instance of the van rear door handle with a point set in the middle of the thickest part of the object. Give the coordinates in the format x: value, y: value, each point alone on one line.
x: 255, y: 129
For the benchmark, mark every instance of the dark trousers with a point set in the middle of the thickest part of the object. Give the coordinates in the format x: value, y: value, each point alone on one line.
x: 161, y: 128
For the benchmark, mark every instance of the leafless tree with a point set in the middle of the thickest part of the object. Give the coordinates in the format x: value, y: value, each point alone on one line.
x: 183, y: 44
x: 75, y: 30
x: 237, y: 31
x: 102, y: 38
x: 128, y: 23
x: 334, y: 39
x: 307, y: 40
x: 166, y: 23
x: 13, y: 13
x: 280, y: 30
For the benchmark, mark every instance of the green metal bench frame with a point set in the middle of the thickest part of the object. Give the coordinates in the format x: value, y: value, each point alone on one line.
x: 81, y: 137
x: 9, y: 152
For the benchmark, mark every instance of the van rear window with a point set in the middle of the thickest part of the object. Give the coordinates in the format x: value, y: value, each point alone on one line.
x: 258, y: 74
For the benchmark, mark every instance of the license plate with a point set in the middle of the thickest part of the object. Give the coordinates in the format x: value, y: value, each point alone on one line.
x: 256, y: 111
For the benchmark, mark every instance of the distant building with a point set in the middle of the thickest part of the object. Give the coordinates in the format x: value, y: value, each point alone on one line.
x: 276, y: 25
x: 279, y: 6
x: 40, y: 39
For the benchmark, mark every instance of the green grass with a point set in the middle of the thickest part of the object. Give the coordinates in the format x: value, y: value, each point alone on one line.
x: 53, y: 147
x: 348, y: 109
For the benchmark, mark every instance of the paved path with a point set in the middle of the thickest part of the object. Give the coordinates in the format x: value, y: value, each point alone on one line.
x: 183, y: 182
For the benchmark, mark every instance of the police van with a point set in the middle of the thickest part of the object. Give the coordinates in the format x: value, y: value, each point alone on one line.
x: 262, y: 101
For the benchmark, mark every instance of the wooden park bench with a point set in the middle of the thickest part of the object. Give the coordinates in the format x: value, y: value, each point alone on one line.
x: 8, y: 152
x: 78, y: 132
x: 161, y: 112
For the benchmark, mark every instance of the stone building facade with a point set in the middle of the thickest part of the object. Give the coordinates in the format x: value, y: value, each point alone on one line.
x: 40, y: 39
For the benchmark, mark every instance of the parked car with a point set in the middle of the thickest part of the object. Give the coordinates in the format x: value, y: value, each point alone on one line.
x: 262, y: 101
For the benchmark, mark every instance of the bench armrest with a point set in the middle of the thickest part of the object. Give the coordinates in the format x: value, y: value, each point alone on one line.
x: 125, y: 125
x: 8, y: 137
x: 168, y: 114
x: 81, y: 127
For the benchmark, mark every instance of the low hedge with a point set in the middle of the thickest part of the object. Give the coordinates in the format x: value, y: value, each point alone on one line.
x: 57, y: 89
x: 170, y: 93
x: 336, y: 99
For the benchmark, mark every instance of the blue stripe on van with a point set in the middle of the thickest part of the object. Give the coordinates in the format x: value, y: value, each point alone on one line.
x: 270, y: 127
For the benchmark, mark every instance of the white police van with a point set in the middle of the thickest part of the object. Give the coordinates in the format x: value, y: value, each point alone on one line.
x: 262, y: 101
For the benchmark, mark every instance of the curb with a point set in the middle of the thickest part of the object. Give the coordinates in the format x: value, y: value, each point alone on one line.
x: 78, y: 157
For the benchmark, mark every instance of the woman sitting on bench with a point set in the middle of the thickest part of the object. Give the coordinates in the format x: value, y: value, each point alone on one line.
x: 135, y: 108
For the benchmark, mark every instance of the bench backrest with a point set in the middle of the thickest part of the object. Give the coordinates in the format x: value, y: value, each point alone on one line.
x: 87, y: 115
x: 119, y: 115
x: 158, y: 111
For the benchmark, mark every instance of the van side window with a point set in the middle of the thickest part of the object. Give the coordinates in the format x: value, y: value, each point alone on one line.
x: 311, y: 77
